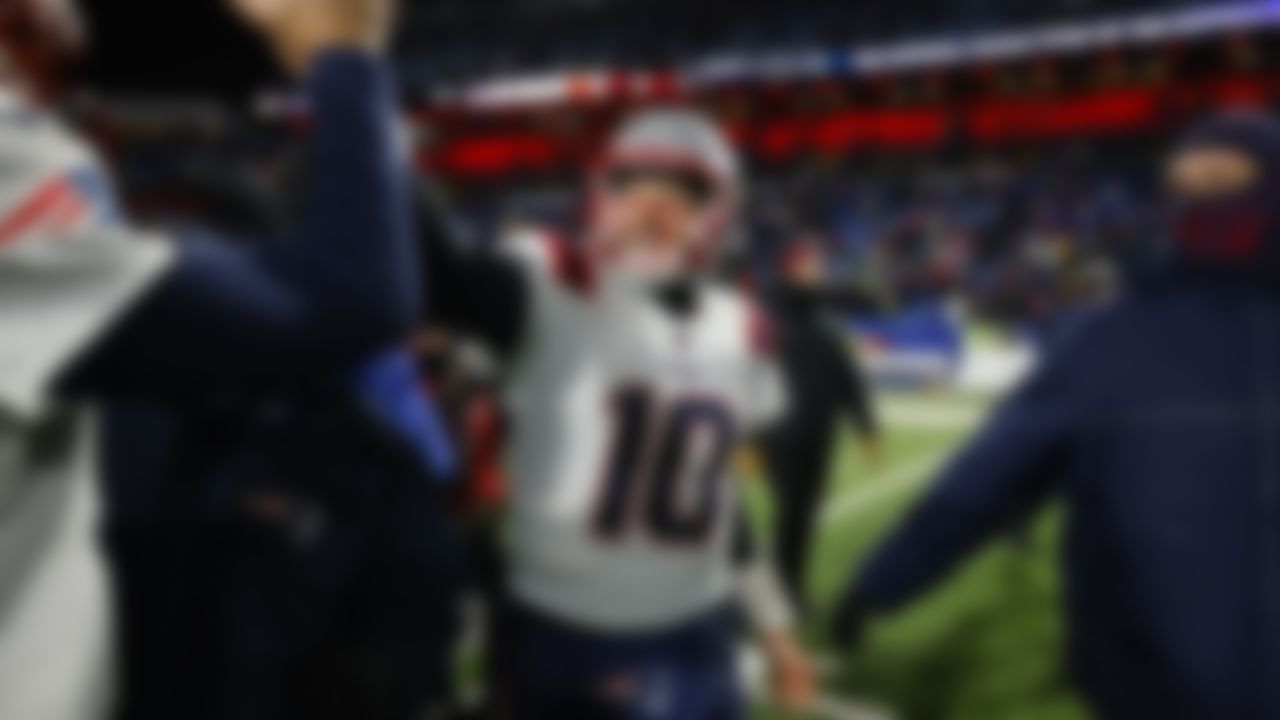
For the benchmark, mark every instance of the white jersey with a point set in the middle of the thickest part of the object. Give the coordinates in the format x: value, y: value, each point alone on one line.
x: 66, y: 272
x: 624, y: 419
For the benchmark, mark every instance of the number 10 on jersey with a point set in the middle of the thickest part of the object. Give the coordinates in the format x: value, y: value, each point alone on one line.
x: 664, y: 466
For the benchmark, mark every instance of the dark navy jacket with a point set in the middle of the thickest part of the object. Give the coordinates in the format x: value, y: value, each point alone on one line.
x: 1158, y: 423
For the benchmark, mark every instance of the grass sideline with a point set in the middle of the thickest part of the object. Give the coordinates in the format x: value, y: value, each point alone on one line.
x: 987, y: 643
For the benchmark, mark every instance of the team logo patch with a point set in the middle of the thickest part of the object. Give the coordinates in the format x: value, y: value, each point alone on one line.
x: 59, y: 204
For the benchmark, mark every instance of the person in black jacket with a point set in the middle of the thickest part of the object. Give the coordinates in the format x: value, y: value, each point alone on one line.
x: 277, y: 553
x: 1158, y: 422
x: 824, y: 382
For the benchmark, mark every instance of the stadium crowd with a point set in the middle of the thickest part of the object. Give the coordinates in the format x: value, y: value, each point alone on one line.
x: 528, y: 36
x: 1022, y: 239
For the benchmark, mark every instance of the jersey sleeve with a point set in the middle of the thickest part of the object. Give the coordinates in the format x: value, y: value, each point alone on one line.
x: 67, y: 271
x: 477, y: 293
x: 766, y: 390
x: 556, y: 275
x: 768, y: 394
x: 60, y: 289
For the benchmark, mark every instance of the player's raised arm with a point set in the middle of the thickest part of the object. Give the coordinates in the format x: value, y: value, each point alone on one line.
x: 346, y: 286
x: 476, y: 291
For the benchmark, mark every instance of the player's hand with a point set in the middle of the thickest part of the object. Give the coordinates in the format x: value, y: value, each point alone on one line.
x: 298, y: 30
x: 792, y: 676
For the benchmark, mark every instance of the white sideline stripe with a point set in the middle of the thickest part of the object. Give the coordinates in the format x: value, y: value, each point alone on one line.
x: 921, y: 415
x: 829, y: 707
x: 899, y: 478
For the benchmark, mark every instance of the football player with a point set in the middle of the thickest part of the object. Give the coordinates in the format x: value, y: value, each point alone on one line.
x: 631, y: 377
x: 90, y: 306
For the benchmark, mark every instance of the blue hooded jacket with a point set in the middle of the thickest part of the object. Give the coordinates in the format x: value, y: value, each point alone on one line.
x: 1157, y: 421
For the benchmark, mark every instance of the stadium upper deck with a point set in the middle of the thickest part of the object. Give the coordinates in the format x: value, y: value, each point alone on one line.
x: 532, y: 35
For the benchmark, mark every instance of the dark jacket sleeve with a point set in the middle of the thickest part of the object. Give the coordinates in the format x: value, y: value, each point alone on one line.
x: 346, y: 287
x: 1005, y: 472
x: 851, y: 387
x: 473, y: 291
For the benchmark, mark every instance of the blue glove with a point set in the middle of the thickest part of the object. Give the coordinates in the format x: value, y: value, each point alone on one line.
x: 390, y: 385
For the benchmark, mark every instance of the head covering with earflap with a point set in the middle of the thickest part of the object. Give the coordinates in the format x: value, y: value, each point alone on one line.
x: 1237, y: 234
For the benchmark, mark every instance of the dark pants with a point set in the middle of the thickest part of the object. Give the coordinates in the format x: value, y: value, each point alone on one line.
x: 554, y: 670
x: 799, y: 460
x: 355, y: 622
x: 277, y: 582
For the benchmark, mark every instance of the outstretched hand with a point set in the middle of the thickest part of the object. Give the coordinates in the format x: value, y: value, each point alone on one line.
x: 793, y: 677
x: 297, y: 30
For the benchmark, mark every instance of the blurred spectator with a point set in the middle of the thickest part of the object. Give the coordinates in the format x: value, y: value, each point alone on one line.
x: 823, y: 384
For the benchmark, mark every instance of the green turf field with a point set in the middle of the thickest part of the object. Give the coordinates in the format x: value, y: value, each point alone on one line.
x: 986, y: 645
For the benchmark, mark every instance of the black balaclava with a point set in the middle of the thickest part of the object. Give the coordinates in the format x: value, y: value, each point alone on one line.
x: 1235, y: 235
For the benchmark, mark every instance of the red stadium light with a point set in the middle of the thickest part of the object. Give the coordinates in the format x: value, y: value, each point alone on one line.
x: 1242, y: 91
x: 499, y: 155
x: 1031, y: 119
x: 781, y: 140
x: 780, y: 131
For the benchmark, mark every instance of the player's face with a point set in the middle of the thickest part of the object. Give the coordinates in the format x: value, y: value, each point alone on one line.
x: 1209, y: 172
x: 648, y: 221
